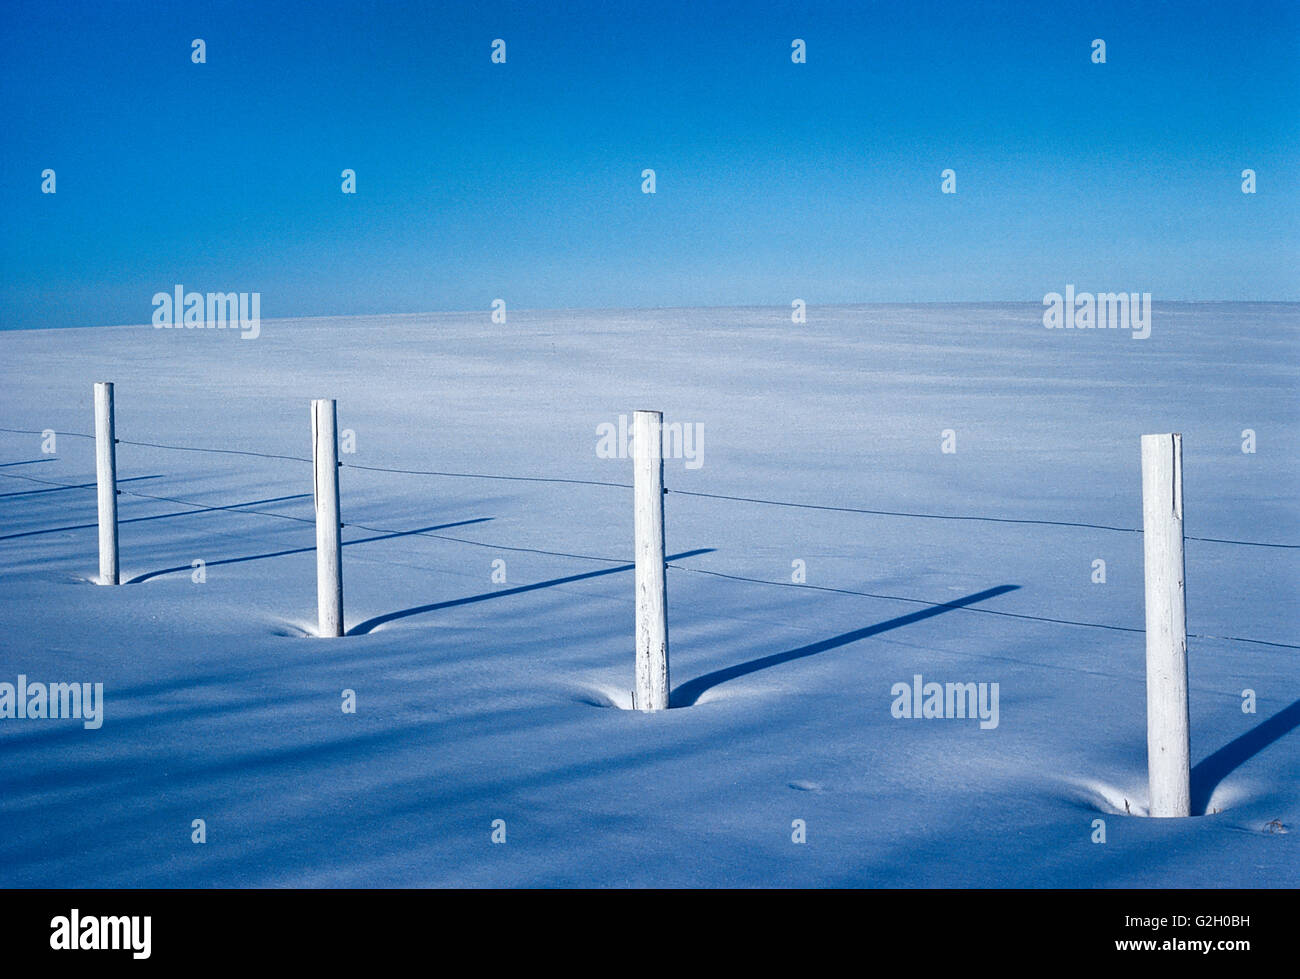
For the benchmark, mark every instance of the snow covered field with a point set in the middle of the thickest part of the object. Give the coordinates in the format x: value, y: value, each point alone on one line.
x: 481, y: 700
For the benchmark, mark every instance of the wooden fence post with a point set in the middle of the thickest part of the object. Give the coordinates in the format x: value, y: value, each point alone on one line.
x: 651, y: 587
x: 325, y: 495
x: 106, y: 481
x: 1168, y: 740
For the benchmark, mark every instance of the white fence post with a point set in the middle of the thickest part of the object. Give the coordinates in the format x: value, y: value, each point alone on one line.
x: 1168, y: 741
x: 106, y: 480
x: 651, y: 587
x: 325, y: 495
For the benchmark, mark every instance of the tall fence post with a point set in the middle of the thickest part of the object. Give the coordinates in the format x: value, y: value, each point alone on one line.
x: 1168, y: 740
x: 651, y: 587
x: 106, y: 481
x: 325, y: 495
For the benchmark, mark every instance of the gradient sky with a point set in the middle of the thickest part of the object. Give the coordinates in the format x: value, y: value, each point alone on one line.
x: 522, y: 181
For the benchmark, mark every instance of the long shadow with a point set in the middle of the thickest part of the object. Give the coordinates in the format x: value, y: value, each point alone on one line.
x: 24, y: 462
x: 369, y: 625
x: 302, y: 550
x: 60, y: 489
x: 689, y: 693
x: 1208, y: 773
x: 159, y: 516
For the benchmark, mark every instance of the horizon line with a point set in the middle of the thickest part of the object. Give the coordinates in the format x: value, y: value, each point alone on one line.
x: 597, y: 309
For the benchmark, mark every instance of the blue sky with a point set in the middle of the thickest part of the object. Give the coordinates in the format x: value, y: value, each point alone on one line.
x: 522, y: 181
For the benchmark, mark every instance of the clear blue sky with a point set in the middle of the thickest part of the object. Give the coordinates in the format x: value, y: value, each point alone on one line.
x: 522, y: 181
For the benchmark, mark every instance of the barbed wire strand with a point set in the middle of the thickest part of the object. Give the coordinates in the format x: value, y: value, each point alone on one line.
x: 692, y: 493
x: 966, y: 608
x: 625, y: 561
x: 952, y: 516
x: 237, y: 508
x: 521, y: 479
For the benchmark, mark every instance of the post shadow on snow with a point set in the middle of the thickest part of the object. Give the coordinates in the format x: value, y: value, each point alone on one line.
x: 24, y: 462
x: 297, y: 550
x: 158, y: 516
x: 59, y: 489
x: 1209, y: 772
x: 689, y: 693
x: 369, y: 625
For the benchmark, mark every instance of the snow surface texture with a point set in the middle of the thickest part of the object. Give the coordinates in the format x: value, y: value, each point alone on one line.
x: 480, y: 700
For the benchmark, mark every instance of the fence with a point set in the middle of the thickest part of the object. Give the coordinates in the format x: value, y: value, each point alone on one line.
x: 1165, y: 632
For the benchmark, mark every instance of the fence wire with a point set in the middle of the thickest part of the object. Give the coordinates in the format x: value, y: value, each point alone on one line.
x: 676, y: 492
x: 237, y: 508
